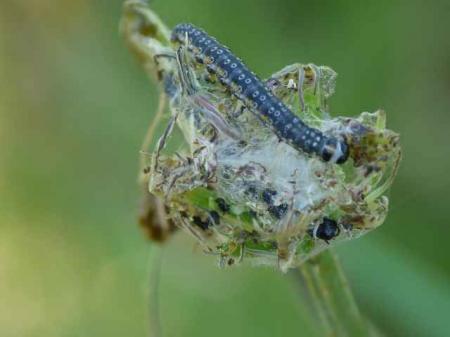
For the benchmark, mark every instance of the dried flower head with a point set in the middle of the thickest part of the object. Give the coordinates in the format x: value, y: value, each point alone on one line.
x: 236, y: 184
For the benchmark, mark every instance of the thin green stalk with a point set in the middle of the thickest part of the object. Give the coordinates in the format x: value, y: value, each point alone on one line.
x: 336, y: 309
x: 316, y: 301
x: 326, y: 297
x: 153, y: 293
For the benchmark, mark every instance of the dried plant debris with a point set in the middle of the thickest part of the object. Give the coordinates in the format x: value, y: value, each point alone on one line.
x: 247, y: 184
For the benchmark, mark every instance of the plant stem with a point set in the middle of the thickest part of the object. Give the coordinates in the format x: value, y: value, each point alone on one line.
x: 316, y: 301
x: 332, y: 298
x: 153, y: 293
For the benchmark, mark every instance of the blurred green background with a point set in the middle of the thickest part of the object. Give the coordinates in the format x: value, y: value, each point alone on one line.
x: 74, y: 106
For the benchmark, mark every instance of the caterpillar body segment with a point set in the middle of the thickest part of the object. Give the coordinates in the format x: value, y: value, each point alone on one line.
x: 247, y: 87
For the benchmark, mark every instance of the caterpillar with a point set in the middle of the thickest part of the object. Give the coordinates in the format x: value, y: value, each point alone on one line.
x: 255, y: 95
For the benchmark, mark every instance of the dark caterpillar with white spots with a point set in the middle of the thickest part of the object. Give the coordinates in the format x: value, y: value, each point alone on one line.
x: 248, y: 88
